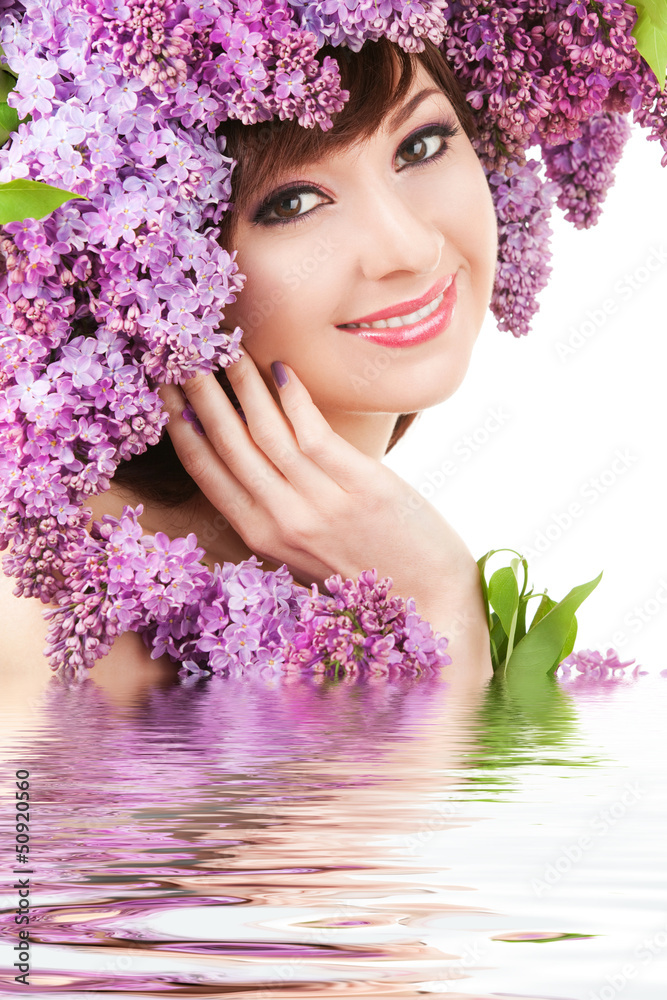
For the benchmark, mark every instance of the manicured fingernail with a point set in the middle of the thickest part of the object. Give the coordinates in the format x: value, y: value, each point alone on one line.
x: 279, y: 374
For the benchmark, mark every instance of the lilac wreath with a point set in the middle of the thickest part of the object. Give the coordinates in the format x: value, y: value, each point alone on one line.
x: 125, y: 285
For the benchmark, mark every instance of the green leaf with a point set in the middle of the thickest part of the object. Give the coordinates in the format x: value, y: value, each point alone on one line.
x: 7, y: 84
x: 498, y: 643
x: 650, y: 34
x: 655, y: 9
x: 504, y: 599
x: 504, y: 596
x: 568, y: 646
x: 520, y: 630
x: 481, y: 563
x: 543, y: 608
x: 9, y: 122
x: 22, y: 199
x: 9, y: 119
x: 541, y: 647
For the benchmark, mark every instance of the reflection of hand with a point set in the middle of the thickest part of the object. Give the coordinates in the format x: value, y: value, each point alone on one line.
x: 298, y: 493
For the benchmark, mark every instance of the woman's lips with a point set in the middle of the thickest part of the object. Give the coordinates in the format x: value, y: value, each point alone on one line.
x: 391, y: 328
x: 404, y: 309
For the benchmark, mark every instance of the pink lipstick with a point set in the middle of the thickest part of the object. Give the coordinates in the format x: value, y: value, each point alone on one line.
x: 411, y: 322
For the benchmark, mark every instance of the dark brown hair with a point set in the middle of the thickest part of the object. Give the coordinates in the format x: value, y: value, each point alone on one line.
x: 262, y: 151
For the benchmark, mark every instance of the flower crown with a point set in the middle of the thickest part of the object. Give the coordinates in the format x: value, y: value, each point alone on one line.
x: 124, y: 285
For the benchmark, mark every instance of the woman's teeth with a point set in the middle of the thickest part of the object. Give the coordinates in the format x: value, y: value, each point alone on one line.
x: 383, y: 324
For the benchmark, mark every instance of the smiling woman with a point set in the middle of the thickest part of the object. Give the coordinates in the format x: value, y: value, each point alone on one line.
x: 395, y: 194
x: 302, y: 266
x: 306, y: 180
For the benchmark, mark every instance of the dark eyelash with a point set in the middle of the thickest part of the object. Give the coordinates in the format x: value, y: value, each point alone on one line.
x: 448, y: 130
x: 261, y: 215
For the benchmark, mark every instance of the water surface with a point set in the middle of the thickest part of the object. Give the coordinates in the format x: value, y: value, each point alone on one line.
x: 268, y: 839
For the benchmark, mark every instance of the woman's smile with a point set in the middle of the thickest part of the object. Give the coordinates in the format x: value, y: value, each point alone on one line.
x: 396, y: 327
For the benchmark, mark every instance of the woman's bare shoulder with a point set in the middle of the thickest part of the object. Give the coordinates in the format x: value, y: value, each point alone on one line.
x: 22, y: 625
x: 23, y: 632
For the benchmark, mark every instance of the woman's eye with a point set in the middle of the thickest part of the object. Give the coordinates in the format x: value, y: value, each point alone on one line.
x: 421, y: 147
x: 288, y: 206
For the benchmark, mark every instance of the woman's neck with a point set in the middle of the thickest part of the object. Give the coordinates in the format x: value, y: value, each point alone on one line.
x: 370, y: 433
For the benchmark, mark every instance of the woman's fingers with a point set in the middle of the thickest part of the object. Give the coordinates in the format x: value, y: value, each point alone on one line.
x: 201, y: 461
x: 272, y: 433
x: 229, y: 439
x: 265, y: 512
x: 339, y: 459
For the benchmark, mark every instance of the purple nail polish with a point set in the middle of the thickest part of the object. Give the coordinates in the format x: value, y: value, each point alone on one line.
x: 280, y: 376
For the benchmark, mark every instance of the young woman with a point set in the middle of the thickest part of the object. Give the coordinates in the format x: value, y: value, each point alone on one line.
x: 370, y: 247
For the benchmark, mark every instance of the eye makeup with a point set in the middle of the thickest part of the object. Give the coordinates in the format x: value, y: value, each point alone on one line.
x: 444, y: 130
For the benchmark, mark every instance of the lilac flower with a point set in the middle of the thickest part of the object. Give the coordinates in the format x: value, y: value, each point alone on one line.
x: 35, y: 85
x: 591, y: 669
x: 584, y: 167
x: 578, y: 7
x: 289, y: 84
x: 359, y: 627
x: 523, y: 204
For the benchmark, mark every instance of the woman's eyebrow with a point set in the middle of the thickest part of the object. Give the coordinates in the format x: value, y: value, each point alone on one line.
x: 404, y: 112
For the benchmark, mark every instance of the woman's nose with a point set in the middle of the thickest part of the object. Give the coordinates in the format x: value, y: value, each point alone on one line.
x: 396, y: 235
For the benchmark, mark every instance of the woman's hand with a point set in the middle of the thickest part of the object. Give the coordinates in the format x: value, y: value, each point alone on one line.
x: 298, y: 493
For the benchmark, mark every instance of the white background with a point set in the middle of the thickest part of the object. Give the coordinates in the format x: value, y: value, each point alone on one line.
x: 565, y: 420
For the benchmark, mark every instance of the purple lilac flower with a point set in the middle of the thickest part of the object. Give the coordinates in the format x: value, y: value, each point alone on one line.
x: 584, y: 167
x: 358, y: 626
x: 592, y: 670
x: 523, y: 203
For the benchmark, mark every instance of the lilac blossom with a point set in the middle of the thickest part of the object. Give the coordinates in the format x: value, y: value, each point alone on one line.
x: 359, y: 626
x: 523, y: 203
x: 592, y: 670
x: 584, y: 168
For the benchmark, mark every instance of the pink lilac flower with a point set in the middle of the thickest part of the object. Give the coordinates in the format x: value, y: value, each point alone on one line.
x: 592, y: 670
x: 360, y: 626
x: 523, y: 203
x: 584, y: 168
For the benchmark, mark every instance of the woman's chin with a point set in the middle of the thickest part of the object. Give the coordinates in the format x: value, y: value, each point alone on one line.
x: 430, y: 388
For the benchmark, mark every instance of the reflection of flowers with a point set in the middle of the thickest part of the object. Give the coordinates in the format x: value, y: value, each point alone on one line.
x: 105, y: 780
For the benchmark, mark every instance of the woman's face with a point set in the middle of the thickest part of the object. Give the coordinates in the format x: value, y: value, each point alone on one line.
x: 398, y: 223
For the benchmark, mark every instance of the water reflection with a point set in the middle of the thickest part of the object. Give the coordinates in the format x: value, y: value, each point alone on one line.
x: 262, y: 839
x: 219, y: 823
